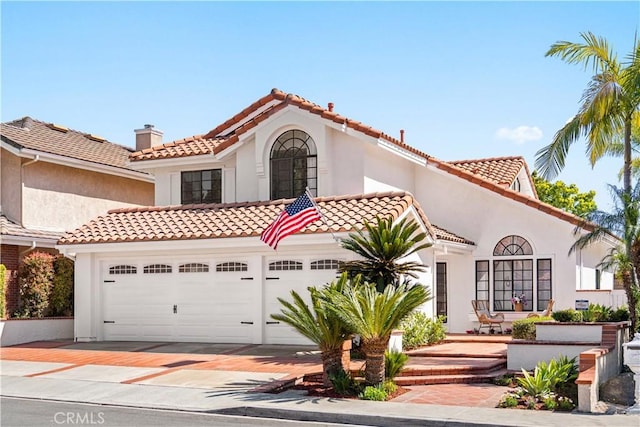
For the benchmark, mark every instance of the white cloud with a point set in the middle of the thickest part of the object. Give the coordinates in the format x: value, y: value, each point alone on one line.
x: 521, y: 134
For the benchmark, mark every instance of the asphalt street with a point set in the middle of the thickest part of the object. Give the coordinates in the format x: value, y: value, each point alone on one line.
x: 37, y: 413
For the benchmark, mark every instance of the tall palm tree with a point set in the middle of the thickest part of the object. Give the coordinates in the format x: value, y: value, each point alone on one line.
x: 381, y: 248
x: 623, y: 223
x: 609, y: 104
x: 319, y: 324
x: 374, y: 315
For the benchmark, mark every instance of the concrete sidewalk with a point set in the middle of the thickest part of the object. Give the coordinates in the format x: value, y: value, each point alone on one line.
x: 291, y: 405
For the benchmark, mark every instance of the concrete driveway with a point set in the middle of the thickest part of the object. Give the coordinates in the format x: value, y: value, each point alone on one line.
x: 220, y: 368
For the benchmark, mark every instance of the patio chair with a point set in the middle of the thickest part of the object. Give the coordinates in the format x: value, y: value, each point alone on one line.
x: 546, y: 312
x: 481, y: 308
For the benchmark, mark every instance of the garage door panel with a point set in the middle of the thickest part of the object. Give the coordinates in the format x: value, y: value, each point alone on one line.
x: 210, y: 306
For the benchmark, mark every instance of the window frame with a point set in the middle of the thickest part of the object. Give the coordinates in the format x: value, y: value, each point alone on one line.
x: 216, y: 186
x: 293, y: 162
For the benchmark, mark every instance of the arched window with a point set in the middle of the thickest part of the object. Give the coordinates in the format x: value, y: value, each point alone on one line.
x: 512, y: 245
x: 293, y: 165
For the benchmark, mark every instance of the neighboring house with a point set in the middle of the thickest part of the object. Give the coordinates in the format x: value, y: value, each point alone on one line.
x: 193, y: 268
x: 54, y: 179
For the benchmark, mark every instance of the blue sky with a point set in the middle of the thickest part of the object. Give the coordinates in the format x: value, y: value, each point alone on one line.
x: 463, y: 79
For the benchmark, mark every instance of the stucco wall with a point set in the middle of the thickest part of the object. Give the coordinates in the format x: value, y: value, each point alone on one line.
x: 10, y: 185
x: 60, y: 198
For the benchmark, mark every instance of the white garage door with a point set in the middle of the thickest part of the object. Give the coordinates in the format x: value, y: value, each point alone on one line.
x: 282, y: 276
x: 178, y: 301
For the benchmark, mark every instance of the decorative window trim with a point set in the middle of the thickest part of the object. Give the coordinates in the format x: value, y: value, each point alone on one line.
x: 285, y: 265
x: 193, y: 267
x: 123, y: 269
x: 293, y: 161
x: 231, y: 266
x: 157, y: 269
x: 513, y: 245
x: 325, y: 264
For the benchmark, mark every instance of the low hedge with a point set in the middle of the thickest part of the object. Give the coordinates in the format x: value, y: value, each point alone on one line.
x: 525, y: 329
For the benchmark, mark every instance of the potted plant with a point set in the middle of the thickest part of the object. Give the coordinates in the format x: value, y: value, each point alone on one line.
x: 518, y: 301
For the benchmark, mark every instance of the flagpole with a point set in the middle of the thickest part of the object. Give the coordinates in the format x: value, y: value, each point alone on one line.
x: 308, y: 192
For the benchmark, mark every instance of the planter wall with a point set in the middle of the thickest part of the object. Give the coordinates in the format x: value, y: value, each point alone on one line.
x: 523, y: 354
x: 569, y: 331
x: 20, y: 331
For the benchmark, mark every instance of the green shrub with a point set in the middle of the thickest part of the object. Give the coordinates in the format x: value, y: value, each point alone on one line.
x: 619, y: 315
x: 508, y: 400
x: 597, y: 313
x: 3, y: 295
x: 389, y: 387
x: 374, y: 393
x: 344, y: 384
x: 505, y: 380
x: 35, y: 277
x: 565, y: 404
x: 421, y: 330
x: 61, y: 298
x: 568, y: 315
x: 550, y: 403
x: 394, y: 361
x: 525, y: 329
x: 547, y: 377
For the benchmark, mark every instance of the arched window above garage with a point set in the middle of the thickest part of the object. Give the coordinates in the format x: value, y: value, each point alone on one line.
x: 325, y: 264
x: 156, y: 268
x: 123, y: 269
x: 285, y: 265
x: 194, y: 267
x: 231, y: 266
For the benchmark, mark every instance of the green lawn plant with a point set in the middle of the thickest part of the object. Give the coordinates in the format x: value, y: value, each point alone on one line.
x: 525, y: 329
x: 343, y: 383
x: 377, y: 393
x: 419, y: 330
x: 320, y: 324
x: 394, y: 362
x: 3, y: 295
x: 373, y: 316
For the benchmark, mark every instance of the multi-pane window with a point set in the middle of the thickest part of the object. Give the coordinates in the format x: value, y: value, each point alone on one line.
x: 514, y: 272
x: 325, y: 264
x: 231, y: 267
x: 285, y: 265
x: 441, y: 289
x: 544, y: 283
x: 194, y: 267
x: 156, y: 268
x: 203, y: 186
x: 512, y: 277
x: 482, y: 280
x: 123, y: 269
x: 293, y: 165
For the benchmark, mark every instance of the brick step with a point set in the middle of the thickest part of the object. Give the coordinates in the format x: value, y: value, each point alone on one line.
x: 449, y: 379
x: 467, y: 355
x: 415, y: 369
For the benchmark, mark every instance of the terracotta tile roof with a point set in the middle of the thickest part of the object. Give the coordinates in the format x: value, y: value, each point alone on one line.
x: 501, y: 170
x: 10, y: 228
x: 342, y: 214
x: 59, y: 140
x: 448, y: 236
x: 252, y: 116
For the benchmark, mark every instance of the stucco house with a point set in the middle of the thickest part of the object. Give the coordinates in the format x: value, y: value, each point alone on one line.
x: 193, y: 268
x: 52, y: 180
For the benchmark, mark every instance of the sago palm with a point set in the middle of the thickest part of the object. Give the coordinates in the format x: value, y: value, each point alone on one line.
x: 374, y: 315
x: 319, y: 324
x: 622, y: 223
x: 381, y: 248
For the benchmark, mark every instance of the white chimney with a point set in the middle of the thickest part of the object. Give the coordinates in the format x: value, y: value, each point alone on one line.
x: 148, y: 137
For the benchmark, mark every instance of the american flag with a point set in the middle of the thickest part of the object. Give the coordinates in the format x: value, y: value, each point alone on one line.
x: 292, y: 219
